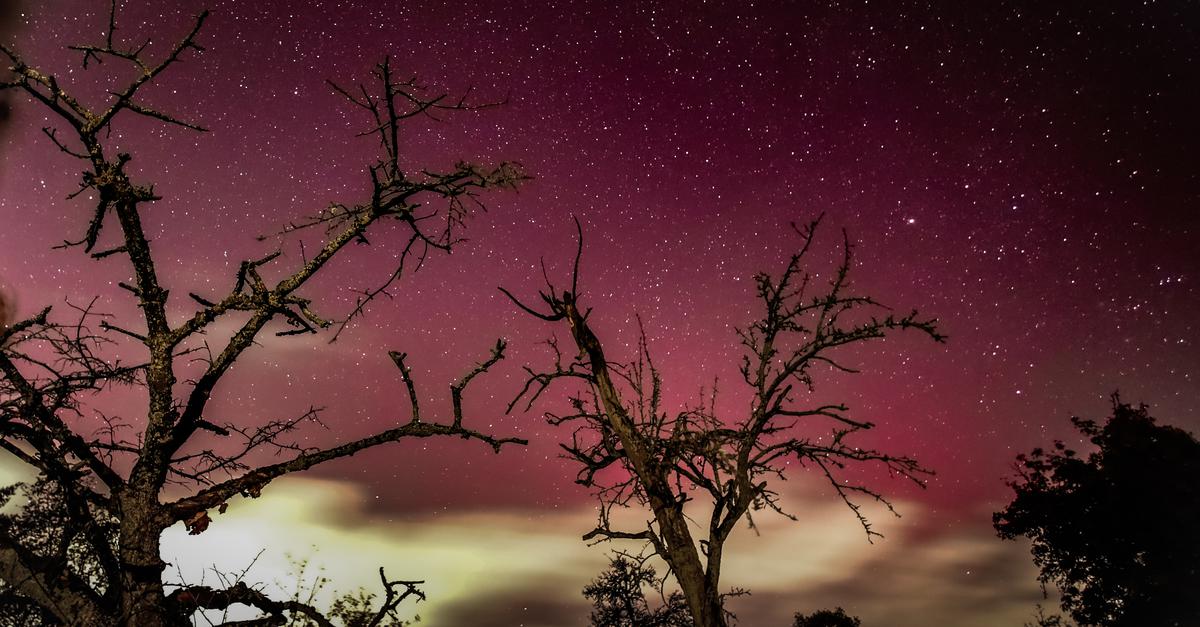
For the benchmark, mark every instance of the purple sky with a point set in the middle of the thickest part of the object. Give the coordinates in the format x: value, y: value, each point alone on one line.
x: 1024, y: 173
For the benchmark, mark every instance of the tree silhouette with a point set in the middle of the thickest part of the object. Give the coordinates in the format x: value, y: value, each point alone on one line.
x: 1113, y: 530
x: 827, y: 618
x: 8, y: 11
x: 99, y: 562
x: 633, y: 453
x: 619, y: 599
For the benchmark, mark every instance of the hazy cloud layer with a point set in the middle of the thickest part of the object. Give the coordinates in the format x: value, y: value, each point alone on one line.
x: 505, y: 568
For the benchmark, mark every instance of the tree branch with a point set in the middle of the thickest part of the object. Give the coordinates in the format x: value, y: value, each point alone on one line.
x: 252, y: 483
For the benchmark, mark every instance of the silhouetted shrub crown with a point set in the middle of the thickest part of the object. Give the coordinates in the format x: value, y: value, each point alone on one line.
x: 1115, y: 531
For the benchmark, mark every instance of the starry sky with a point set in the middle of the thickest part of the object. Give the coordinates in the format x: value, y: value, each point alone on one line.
x: 1023, y: 171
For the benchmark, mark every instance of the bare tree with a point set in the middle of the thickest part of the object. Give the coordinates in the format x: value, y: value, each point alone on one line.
x: 633, y: 453
x: 108, y: 490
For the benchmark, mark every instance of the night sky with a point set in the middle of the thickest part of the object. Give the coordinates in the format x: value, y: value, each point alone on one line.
x: 1024, y: 172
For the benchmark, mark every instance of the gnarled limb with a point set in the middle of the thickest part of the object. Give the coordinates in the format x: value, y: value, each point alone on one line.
x: 191, y: 599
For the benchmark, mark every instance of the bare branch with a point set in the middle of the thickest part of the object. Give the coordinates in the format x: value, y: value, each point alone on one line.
x: 633, y: 454
x: 251, y: 483
x: 193, y: 598
x: 108, y: 486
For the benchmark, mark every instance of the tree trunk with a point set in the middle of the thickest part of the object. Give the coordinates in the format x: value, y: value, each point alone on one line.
x: 682, y: 554
x: 143, y: 602
x: 703, y: 599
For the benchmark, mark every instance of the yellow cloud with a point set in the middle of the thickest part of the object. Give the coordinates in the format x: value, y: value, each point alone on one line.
x: 459, y: 556
x: 504, y: 560
x: 520, y: 567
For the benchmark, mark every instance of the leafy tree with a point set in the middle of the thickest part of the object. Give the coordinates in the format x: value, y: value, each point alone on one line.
x: 634, y: 453
x: 619, y: 599
x: 1114, y: 530
x: 827, y: 618
x: 86, y: 549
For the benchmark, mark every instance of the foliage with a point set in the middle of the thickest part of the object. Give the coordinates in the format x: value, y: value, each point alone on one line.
x: 1115, y: 530
x: 826, y: 618
x: 619, y: 599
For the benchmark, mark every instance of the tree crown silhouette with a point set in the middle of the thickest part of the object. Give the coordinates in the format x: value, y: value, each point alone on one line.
x: 1112, y: 530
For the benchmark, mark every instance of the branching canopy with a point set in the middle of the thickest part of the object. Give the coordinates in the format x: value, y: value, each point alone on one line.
x: 108, y: 487
x: 633, y: 452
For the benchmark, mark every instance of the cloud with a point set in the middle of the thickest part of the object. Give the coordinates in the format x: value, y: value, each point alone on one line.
x: 964, y: 577
x: 506, y: 568
x: 467, y: 560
